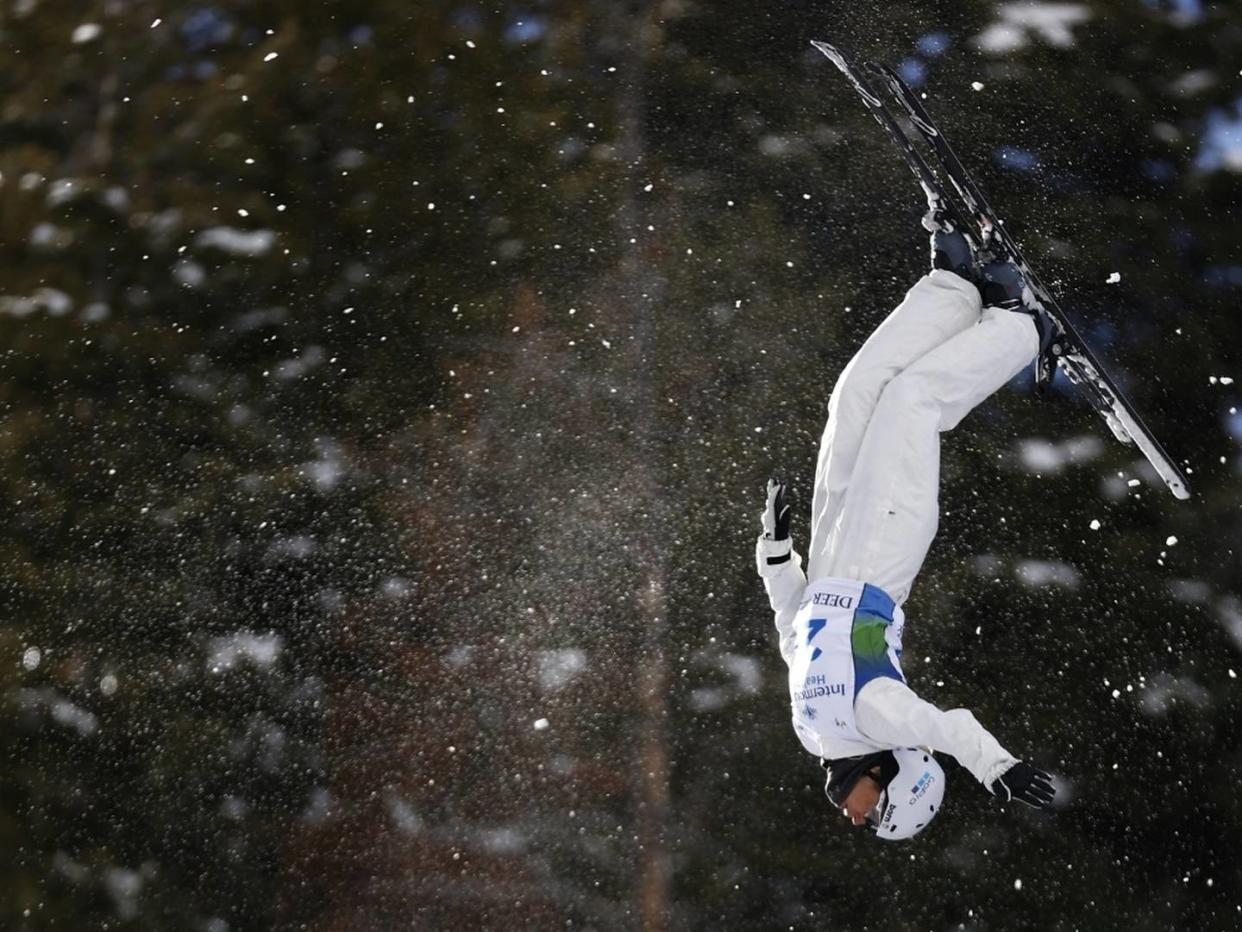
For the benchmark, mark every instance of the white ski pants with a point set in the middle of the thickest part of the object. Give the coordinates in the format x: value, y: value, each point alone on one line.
x: 935, y: 357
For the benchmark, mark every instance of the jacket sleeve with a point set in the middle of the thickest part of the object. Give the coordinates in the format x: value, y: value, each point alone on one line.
x: 781, y: 569
x: 889, y: 713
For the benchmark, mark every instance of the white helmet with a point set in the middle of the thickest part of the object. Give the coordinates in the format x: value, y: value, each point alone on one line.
x: 912, y: 797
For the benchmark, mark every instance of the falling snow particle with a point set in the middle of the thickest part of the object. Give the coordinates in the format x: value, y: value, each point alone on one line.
x: 470, y: 44
x: 156, y: 23
x: 107, y: 684
x: 87, y: 32
x: 1017, y: 884
x: 1171, y: 541
x: 1133, y: 483
x: 1113, y: 279
x: 541, y: 724
x: 270, y: 56
x: 1095, y: 524
x: 1226, y: 380
x: 976, y: 85
x: 30, y: 659
x: 1232, y: 675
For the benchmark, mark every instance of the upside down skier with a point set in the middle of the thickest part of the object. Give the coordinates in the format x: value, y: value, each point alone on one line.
x: 962, y: 331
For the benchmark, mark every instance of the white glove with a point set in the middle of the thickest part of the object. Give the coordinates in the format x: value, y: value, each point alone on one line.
x: 775, y: 517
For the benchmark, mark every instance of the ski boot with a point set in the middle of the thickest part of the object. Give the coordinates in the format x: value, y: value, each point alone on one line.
x: 950, y: 249
x: 1002, y: 285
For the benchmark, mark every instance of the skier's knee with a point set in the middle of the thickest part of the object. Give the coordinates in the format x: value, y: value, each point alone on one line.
x: 857, y: 392
x: 905, y: 391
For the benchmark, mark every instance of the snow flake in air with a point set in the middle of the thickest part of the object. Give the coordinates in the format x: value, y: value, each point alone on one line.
x: 541, y: 724
x: 87, y: 32
x: 1113, y: 279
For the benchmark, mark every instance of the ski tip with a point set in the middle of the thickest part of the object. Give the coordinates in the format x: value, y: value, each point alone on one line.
x: 834, y: 54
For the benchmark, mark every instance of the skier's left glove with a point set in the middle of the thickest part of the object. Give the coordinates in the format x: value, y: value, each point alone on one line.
x: 775, y: 516
x: 1026, y: 784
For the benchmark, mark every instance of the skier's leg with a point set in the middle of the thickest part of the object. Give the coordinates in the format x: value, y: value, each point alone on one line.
x: 939, y: 306
x: 890, y: 513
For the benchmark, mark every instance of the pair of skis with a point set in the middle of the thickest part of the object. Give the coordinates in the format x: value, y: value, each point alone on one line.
x: 971, y: 213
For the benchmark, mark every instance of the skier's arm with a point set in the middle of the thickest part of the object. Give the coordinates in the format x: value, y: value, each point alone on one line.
x: 889, y: 713
x: 779, y: 566
x: 781, y: 569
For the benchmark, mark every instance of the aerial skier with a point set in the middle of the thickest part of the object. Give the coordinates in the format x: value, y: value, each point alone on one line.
x: 962, y: 331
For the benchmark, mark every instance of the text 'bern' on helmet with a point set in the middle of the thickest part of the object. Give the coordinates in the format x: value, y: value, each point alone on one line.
x: 912, y: 797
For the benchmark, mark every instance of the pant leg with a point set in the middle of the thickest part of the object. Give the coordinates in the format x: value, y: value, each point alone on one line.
x: 891, y: 509
x: 939, y: 306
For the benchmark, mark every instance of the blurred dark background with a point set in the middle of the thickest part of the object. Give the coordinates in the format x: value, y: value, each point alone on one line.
x: 388, y: 391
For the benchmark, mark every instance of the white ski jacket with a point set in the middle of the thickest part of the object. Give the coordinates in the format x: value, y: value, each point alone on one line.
x: 841, y: 640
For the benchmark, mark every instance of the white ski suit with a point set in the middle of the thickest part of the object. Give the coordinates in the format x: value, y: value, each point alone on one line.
x: 873, y: 517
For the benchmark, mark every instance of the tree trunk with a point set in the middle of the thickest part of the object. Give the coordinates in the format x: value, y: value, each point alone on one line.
x: 638, y: 31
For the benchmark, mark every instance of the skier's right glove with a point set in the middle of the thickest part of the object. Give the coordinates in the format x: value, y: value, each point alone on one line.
x: 775, y: 517
x: 1026, y: 784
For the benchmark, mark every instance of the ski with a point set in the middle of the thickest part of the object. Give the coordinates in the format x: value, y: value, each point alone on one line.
x: 1073, y: 356
x: 932, y: 188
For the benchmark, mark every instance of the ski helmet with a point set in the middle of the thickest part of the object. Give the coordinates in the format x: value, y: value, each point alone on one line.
x: 912, y: 797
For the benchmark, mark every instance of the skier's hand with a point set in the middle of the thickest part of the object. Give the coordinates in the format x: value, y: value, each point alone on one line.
x: 1026, y: 784
x: 775, y: 517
